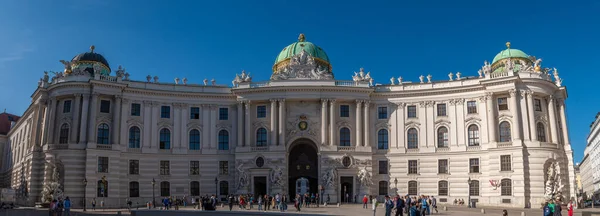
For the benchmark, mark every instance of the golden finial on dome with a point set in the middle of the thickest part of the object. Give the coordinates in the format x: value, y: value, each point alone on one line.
x: 92, y: 47
x: 301, y: 38
x: 508, y: 45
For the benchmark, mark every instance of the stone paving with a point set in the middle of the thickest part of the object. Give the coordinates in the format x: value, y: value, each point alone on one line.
x: 345, y: 210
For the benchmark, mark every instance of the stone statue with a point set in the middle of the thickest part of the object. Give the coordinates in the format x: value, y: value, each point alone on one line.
x: 399, y: 80
x: 364, y: 177
x: 148, y: 78
x: 184, y: 81
x: 126, y: 76
x: 155, y: 79
x: 52, y: 188
x: 120, y: 71
x: 509, y: 65
x: 205, y: 81
x: 368, y: 78
x: 450, y: 75
x: 421, y: 78
x: 392, y: 81
x: 553, y: 184
x: 301, y: 66
x: 329, y: 177
x: 40, y: 82
x: 458, y: 74
x: 428, y: 78
x: 242, y: 177
x: 525, y: 67
x: 487, y: 68
x: 97, y: 69
x: 277, y: 176
x: 176, y: 80
x: 537, y: 65
x: 480, y: 72
x: 557, y: 79
x: 68, y: 68
x: 213, y: 81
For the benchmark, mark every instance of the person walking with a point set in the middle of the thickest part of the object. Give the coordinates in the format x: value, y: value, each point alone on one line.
x: 547, y: 210
x: 399, y: 206
x: 94, y: 204
x: 230, y: 201
x: 424, y: 206
x: 570, y: 208
x: 260, y: 202
x: 297, y: 202
x: 388, y: 205
x: 412, y: 211
x: 374, y: 202
x: 365, y: 200
x: 434, y: 204
x: 67, y: 206
x: 558, y: 209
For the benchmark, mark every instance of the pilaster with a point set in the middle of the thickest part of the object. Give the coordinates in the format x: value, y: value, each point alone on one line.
x: 367, y: 124
x: 332, y: 128
x: 92, y: 118
x: 116, y: 120
x: 324, y: 121
x: 531, y: 113
x: 359, y: 140
x: 514, y: 110
x: 247, y: 124
x: 523, y: 113
x: 51, y: 123
x: 282, y: 121
x: 76, y: 113
x: 491, y: 117
x: 273, y: 122
x: 552, y: 119
x: 400, y: 127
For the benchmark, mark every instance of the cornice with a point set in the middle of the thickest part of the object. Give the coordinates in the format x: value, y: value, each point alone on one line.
x: 426, y: 92
x: 247, y: 91
x: 181, y: 94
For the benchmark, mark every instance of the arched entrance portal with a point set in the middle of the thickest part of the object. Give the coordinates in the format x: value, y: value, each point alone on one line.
x: 303, y: 167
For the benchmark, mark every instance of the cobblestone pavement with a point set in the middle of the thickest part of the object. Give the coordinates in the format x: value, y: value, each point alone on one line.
x: 346, y: 210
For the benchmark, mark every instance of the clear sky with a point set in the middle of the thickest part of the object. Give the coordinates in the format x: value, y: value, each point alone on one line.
x: 216, y: 39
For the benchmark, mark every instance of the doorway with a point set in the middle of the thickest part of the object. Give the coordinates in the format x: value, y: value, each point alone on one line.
x: 260, y: 186
x: 346, y: 187
x: 303, y: 168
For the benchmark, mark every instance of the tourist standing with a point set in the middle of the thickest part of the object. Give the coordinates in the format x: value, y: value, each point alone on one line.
x: 260, y: 202
x: 399, y: 206
x: 388, y: 205
x: 374, y: 202
x: 67, y: 206
x: 570, y: 208
x: 547, y: 210
x: 365, y: 201
x: 413, y: 210
x: 434, y: 204
x: 557, y: 209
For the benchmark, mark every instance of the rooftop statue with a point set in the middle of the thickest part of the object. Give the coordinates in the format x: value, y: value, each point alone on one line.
x: 303, y: 66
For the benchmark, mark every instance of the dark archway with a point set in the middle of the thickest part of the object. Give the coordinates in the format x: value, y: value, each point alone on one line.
x: 303, y: 162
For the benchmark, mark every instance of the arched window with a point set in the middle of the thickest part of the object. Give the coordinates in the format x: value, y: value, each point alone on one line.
x: 413, y: 188
x: 442, y: 138
x: 504, y: 132
x: 344, y: 137
x: 64, y: 134
x: 541, y: 132
x: 473, y: 132
x: 165, y: 189
x: 474, y: 188
x: 134, y: 189
x: 383, y: 188
x: 102, y: 134
x: 382, y: 139
x: 165, y: 139
x: 413, y: 138
x: 223, y: 140
x: 194, y: 139
x: 223, y: 188
x: 506, y: 187
x: 195, y: 188
x: 134, y: 137
x: 102, y: 190
x: 443, y: 188
x: 261, y: 137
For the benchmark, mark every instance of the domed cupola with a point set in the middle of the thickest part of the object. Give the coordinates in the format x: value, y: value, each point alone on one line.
x: 302, y: 60
x: 89, y: 61
x: 283, y: 59
x: 514, y: 58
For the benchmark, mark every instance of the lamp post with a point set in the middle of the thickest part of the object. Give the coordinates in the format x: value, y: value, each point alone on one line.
x: 153, y: 197
x: 469, y: 191
x: 322, y: 192
x: 84, y: 187
x: 216, y: 187
x: 396, y: 185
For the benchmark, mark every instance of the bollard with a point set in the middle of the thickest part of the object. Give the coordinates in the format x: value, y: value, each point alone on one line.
x: 482, y: 211
x: 338, y: 205
x: 445, y: 208
x: 522, y: 213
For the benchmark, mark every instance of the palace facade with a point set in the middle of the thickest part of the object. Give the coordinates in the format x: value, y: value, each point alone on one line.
x: 498, y: 136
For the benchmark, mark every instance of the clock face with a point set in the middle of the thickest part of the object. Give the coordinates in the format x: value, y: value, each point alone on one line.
x: 303, y: 125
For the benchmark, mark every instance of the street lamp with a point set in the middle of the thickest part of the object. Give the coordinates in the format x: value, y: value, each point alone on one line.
x: 396, y: 185
x: 216, y: 187
x: 153, y: 197
x: 322, y: 192
x: 84, y: 187
x: 469, y: 191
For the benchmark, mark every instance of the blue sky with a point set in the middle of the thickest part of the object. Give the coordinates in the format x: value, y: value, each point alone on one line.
x: 216, y: 39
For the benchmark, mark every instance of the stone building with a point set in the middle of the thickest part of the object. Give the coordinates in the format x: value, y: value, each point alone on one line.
x: 590, y: 164
x: 490, y: 135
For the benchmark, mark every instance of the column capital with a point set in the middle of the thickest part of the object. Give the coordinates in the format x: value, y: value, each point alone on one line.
x: 95, y: 94
x: 482, y: 99
x: 125, y: 100
x: 117, y: 97
x: 281, y: 100
x: 332, y: 101
x: 77, y: 95
x: 359, y: 102
x: 400, y: 104
x: 53, y: 98
x: 85, y: 95
x: 247, y: 105
x: 551, y: 98
x: 272, y: 100
x: 512, y: 92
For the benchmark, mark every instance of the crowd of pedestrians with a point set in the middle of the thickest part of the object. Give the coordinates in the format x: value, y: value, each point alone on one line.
x: 60, y: 207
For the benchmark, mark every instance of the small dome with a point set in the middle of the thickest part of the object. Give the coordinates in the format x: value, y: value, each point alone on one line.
x: 91, y: 56
x: 510, y: 53
x: 297, y: 47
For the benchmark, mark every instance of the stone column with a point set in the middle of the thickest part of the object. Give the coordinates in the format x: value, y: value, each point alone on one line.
x: 248, y: 127
x: 206, y: 128
x: 124, y: 130
x: 76, y: 113
x: 92, y: 118
x: 282, y: 122
x: 422, y: 115
x: 359, y: 131
x: 51, y: 122
x: 37, y: 128
x: 514, y: 110
x: 185, y: 116
x: 552, y: 120
x: 532, y: 125
x: 367, y: 125
x: 146, y: 140
x: 393, y: 121
x: 176, y: 143
x: 48, y: 104
x: 116, y: 120
x: 154, y: 132
x: 83, y: 127
x: 523, y: 113
x: 492, y: 127
x: 563, y: 121
x: 332, y: 127
x: 400, y: 128
x: 430, y: 122
x: 240, y: 123
x: 461, y: 128
x: 323, y: 121
x: 213, y: 126
x: 273, y: 122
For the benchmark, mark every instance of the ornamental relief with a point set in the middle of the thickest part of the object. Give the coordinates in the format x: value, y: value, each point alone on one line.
x: 103, y: 119
x: 191, y: 125
x: 134, y: 121
x: 541, y: 118
x: 504, y: 115
x: 303, y: 127
x: 473, y: 119
x: 383, y: 124
x: 442, y: 120
x: 261, y: 123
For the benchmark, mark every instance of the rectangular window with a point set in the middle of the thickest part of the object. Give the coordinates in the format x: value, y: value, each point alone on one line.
x: 195, y: 113
x: 165, y: 169
x: 383, y: 167
x: 443, y: 166
x: 474, y: 165
x: 67, y: 106
x: 412, y: 111
x: 223, y: 113
x: 223, y: 167
x: 102, y: 164
x: 413, y: 168
x: 104, y: 106
x: 441, y: 110
x: 261, y: 111
x: 382, y: 112
x: 344, y: 110
x: 505, y: 163
x: 134, y: 167
x: 502, y: 103
x: 471, y: 107
x: 537, y: 103
x: 136, y: 109
x: 194, y: 167
x: 165, y: 112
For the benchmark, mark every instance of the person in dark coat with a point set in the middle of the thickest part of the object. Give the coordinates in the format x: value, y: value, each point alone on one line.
x: 557, y: 209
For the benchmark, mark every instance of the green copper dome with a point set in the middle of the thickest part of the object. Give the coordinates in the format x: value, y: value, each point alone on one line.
x: 297, y: 47
x: 510, y: 53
